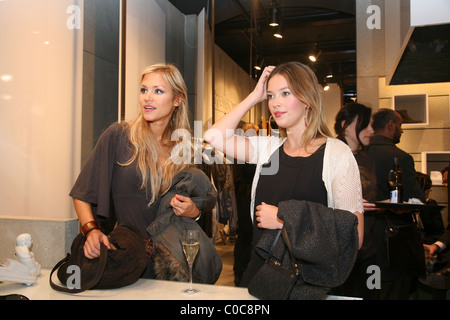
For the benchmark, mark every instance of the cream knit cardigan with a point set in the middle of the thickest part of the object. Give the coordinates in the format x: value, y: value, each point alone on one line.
x: 340, y: 171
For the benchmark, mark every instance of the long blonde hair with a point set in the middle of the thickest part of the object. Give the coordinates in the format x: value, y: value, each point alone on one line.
x: 159, y: 178
x: 304, y: 85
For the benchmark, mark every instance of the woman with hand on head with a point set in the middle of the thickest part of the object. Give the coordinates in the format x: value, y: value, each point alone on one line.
x: 133, y: 165
x: 304, y: 163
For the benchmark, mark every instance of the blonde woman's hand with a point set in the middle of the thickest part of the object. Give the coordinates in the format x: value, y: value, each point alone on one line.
x: 266, y: 215
x: 184, y: 206
x: 92, y: 245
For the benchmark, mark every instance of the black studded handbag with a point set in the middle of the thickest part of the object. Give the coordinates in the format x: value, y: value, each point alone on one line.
x: 274, y: 281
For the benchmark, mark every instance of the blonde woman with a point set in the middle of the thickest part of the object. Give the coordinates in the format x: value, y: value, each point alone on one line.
x: 303, y: 163
x: 133, y: 165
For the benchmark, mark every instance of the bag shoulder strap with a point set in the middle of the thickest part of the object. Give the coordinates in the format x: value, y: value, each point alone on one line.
x: 294, y: 260
x: 285, y: 237
x: 56, y: 267
x: 275, y: 241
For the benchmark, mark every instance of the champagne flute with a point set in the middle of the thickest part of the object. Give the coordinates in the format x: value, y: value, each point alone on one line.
x: 191, y: 245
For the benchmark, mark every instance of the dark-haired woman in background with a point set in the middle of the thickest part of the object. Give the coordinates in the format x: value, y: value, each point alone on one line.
x: 353, y: 126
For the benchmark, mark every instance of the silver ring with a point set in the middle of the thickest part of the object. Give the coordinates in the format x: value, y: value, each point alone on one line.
x: 179, y: 205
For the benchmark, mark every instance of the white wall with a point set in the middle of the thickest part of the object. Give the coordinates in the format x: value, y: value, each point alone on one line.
x: 40, y: 101
x: 429, y: 12
x: 145, y: 45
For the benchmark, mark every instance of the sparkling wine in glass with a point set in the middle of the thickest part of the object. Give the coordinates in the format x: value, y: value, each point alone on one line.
x: 191, y: 244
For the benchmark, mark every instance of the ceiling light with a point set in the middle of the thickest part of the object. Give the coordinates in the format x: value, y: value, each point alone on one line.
x: 278, y: 34
x: 315, y: 53
x: 325, y: 84
x: 258, y: 66
x: 314, y: 56
x: 274, y: 20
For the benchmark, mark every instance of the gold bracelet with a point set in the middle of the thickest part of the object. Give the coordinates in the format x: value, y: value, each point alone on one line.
x: 88, y: 227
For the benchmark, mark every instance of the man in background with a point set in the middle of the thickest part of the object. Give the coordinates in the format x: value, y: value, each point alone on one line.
x: 387, y: 126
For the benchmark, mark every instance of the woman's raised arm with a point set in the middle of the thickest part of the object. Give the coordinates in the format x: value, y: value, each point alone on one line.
x: 221, y: 134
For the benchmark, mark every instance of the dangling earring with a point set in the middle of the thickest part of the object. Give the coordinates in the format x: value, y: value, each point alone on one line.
x: 275, y: 132
x: 306, y: 115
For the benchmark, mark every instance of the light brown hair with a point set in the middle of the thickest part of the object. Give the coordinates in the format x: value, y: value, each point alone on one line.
x: 304, y: 85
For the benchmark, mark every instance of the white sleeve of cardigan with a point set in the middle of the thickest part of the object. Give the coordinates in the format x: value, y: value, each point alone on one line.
x: 342, y: 178
x: 263, y: 147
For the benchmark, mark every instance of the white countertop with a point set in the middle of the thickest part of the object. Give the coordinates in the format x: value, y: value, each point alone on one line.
x: 143, y: 289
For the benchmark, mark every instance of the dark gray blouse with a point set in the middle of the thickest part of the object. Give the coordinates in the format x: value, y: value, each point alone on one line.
x: 113, y: 188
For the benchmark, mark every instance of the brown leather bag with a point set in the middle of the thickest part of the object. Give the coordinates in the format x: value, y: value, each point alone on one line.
x: 114, y: 268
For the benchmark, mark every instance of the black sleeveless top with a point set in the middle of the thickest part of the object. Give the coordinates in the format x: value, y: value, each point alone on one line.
x: 297, y: 178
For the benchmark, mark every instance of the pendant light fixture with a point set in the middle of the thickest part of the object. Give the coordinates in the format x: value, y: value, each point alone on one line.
x: 259, y: 63
x: 274, y: 19
x: 278, y: 34
x: 314, y: 54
